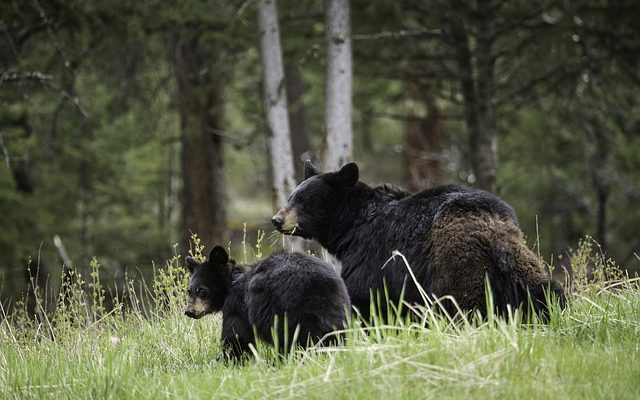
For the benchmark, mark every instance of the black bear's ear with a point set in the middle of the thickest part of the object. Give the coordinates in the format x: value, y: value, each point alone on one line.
x: 349, y: 174
x: 191, y: 263
x: 219, y: 256
x: 309, y: 170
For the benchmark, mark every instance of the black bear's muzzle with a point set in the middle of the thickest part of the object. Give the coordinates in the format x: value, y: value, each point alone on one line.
x: 285, y: 220
x: 277, y: 221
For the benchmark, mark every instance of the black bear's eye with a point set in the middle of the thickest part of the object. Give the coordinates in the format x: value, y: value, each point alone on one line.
x: 202, y: 292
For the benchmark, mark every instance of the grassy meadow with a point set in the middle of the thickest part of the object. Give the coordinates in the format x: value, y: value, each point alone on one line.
x: 145, y: 348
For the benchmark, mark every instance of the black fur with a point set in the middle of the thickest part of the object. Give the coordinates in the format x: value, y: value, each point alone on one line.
x: 301, y: 288
x: 452, y: 236
x: 391, y: 191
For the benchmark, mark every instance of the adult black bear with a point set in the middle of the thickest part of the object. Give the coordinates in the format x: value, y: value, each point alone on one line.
x: 452, y: 236
x: 302, y: 289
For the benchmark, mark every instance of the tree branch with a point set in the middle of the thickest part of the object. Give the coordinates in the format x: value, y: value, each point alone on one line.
x: 15, y: 76
x: 420, y: 33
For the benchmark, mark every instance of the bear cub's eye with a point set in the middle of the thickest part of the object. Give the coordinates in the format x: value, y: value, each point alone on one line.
x: 202, y: 292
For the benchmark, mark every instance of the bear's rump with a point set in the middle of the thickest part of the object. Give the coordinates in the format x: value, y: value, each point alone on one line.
x: 465, y: 249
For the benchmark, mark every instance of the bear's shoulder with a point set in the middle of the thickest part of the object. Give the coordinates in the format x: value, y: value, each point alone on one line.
x: 472, y: 200
x: 391, y: 191
x: 436, y: 200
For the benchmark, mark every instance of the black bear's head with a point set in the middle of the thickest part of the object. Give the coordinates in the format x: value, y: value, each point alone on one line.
x: 210, y: 282
x: 315, y: 204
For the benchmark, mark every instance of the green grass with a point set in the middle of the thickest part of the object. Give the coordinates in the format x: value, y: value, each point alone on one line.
x: 590, y: 350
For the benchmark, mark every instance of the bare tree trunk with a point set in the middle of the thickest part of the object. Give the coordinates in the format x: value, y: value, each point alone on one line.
x: 338, y: 103
x: 423, y: 139
x: 86, y: 198
x: 599, y: 178
x: 275, y: 106
x: 477, y: 88
x: 461, y: 46
x: 275, y: 103
x: 200, y: 104
x: 485, y: 141
x: 173, y: 192
x: 298, y: 119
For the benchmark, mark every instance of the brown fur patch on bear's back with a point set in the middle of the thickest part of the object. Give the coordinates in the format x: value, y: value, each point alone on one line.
x: 464, y: 248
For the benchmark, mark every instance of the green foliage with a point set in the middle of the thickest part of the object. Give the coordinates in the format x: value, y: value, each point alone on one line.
x: 170, y: 283
x: 591, y: 268
x: 93, y: 120
x: 259, y: 240
x: 96, y: 289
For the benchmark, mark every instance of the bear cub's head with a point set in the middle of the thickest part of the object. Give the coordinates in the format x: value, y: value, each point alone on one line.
x: 314, y: 204
x: 210, y: 283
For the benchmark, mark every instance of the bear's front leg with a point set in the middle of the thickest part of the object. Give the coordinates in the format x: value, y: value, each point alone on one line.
x: 233, y: 348
x: 236, y: 337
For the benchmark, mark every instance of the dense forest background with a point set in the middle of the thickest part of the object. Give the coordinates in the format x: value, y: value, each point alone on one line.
x: 124, y: 126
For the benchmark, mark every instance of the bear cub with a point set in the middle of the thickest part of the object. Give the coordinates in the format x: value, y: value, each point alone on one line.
x: 296, y: 287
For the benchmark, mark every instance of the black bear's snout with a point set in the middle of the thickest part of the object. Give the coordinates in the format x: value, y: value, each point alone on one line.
x: 190, y: 314
x: 277, y: 221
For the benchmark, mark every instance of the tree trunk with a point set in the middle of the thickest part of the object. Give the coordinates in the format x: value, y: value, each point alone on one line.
x: 460, y: 43
x: 485, y: 141
x: 338, y: 103
x: 172, y: 192
x: 423, y: 139
x: 275, y: 106
x: 298, y: 119
x: 275, y: 103
x: 200, y: 105
x: 599, y: 177
x: 86, y: 198
x: 477, y: 89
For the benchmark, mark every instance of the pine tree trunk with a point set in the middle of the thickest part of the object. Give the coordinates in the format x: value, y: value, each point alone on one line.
x: 338, y: 103
x: 485, y: 141
x: 599, y: 177
x: 476, y: 76
x: 200, y: 105
x: 423, y: 139
x: 275, y: 103
x: 461, y: 46
x: 275, y: 106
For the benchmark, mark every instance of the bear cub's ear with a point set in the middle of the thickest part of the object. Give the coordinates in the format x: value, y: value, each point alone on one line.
x: 309, y: 170
x: 219, y: 256
x: 348, y: 174
x: 191, y: 263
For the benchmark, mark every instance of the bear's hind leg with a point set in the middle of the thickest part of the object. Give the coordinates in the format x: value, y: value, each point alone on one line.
x: 460, y: 260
